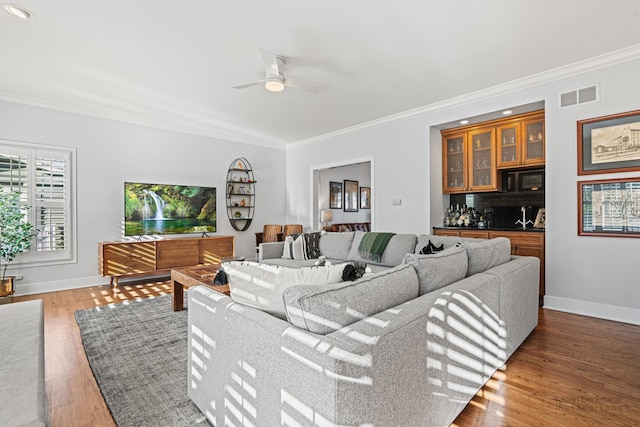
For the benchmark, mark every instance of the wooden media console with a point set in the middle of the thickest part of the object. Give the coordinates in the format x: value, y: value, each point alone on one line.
x: 118, y: 259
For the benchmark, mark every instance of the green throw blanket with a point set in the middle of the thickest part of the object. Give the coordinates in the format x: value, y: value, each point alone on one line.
x: 372, y: 245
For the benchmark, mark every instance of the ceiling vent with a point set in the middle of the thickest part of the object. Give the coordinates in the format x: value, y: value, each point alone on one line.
x: 579, y: 96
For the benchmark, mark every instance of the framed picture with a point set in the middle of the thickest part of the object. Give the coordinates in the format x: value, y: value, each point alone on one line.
x: 335, y: 195
x: 365, y: 197
x: 350, y: 196
x: 609, y: 144
x: 609, y: 208
x: 540, y: 219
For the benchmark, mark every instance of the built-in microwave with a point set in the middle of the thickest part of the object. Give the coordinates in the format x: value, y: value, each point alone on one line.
x: 527, y: 180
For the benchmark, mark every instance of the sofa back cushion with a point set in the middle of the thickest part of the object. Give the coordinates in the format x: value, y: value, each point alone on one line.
x: 325, y: 309
x: 440, y: 269
x: 261, y: 286
x: 485, y: 254
x: 336, y: 245
x: 393, y: 254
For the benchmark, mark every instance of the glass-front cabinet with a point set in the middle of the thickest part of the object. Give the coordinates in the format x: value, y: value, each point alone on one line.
x: 521, y: 142
x: 469, y: 161
x: 509, y: 143
x: 534, y: 142
x: 483, y: 175
x: 474, y: 156
x: 454, y: 161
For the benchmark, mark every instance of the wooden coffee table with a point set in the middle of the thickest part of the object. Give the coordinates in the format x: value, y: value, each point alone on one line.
x: 182, y: 279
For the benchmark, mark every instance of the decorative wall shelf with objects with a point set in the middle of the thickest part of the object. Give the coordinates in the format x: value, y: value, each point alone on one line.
x: 240, y: 199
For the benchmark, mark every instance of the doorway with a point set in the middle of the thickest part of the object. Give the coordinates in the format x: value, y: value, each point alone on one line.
x: 333, y: 176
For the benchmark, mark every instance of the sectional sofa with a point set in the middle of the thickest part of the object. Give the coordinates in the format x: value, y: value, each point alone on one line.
x: 409, y: 344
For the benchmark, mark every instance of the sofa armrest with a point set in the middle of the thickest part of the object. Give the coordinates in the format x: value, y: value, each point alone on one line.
x: 270, y: 250
x: 245, y: 363
x: 519, y: 289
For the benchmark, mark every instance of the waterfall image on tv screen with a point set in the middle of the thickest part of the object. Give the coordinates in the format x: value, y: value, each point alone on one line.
x: 168, y: 209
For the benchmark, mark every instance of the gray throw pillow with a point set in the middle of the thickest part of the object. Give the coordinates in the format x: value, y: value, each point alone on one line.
x: 440, y: 269
x: 485, y: 254
x: 326, y: 309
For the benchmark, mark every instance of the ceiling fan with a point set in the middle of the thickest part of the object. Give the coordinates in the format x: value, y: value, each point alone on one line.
x: 275, y: 80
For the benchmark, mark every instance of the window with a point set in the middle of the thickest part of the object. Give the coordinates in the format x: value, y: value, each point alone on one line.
x: 43, y: 177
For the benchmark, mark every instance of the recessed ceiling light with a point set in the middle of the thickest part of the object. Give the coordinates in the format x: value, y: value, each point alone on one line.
x: 464, y: 122
x: 17, y: 11
x: 507, y: 112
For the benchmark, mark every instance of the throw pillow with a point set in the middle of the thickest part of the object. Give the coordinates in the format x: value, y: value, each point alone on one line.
x: 431, y: 249
x: 354, y: 270
x: 313, y: 245
x: 328, y: 308
x: 438, y: 270
x: 295, y: 247
x: 485, y: 254
x: 261, y: 285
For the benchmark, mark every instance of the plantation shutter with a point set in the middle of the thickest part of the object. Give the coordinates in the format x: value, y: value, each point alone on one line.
x: 51, y: 201
x: 42, y: 176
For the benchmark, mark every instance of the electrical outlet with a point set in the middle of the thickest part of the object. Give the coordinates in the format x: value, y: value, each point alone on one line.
x: 396, y: 202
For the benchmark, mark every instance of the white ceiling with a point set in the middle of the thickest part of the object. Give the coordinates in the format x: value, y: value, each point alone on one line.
x: 172, y: 65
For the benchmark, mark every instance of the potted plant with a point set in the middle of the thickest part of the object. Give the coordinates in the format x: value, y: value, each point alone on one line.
x: 16, y: 235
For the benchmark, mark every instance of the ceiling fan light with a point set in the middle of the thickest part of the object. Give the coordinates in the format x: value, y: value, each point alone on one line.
x: 274, y: 84
x: 17, y: 11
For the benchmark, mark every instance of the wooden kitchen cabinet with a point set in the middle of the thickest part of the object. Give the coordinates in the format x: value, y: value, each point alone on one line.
x: 454, y: 161
x: 469, y: 161
x: 521, y: 141
x: 118, y: 259
x: 473, y: 156
x: 526, y: 243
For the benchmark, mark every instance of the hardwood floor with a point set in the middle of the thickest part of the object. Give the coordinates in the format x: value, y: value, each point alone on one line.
x: 572, y: 370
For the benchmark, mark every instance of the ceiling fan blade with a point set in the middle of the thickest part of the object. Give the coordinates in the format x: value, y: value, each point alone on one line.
x: 245, y: 85
x: 299, y: 84
x: 271, y: 64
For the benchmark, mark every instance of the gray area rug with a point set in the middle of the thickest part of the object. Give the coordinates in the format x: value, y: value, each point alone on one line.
x: 138, y: 354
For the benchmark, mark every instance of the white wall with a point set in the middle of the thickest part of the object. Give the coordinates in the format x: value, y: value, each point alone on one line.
x: 590, y: 275
x: 110, y: 153
x: 360, y: 172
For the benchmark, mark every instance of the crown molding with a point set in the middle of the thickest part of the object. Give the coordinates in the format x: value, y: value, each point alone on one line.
x: 241, y: 136
x: 598, y: 62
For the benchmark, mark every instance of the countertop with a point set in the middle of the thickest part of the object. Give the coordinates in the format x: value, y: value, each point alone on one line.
x: 528, y: 230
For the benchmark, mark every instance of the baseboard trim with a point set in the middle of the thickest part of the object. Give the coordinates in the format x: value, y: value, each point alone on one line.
x: 593, y: 309
x: 66, y: 284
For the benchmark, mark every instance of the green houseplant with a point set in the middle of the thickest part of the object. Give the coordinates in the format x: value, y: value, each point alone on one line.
x: 16, y: 235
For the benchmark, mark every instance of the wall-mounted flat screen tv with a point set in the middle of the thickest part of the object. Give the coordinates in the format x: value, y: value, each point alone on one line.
x: 168, y: 209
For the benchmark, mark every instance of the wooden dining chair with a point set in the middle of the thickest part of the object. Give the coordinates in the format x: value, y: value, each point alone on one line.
x: 270, y: 232
x: 292, y: 229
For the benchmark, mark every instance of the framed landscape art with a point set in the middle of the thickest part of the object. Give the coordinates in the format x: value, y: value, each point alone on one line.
x: 609, y: 208
x: 609, y: 144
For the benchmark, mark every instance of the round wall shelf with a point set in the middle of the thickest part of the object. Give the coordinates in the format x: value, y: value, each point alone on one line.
x: 241, y: 194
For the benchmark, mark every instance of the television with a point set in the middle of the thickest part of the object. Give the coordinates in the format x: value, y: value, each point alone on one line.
x: 168, y: 209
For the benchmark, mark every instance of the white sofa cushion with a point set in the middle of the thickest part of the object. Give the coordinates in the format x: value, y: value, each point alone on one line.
x: 485, y: 254
x: 295, y: 247
x: 325, y: 309
x: 440, y: 269
x: 261, y: 286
